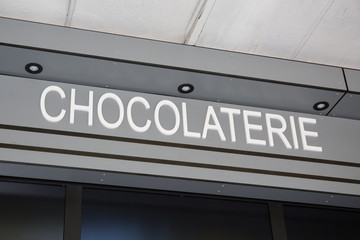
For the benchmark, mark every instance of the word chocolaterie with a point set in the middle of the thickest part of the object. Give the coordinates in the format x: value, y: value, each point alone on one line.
x: 277, y: 126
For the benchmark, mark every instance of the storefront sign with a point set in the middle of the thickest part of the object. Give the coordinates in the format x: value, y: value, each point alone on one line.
x: 171, y: 121
x: 285, y: 129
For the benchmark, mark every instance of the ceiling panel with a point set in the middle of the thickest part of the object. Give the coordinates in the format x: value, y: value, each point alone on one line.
x: 157, y: 19
x: 336, y: 40
x: 45, y: 11
x: 349, y: 106
x: 324, y: 32
x: 353, y: 80
x: 273, y: 28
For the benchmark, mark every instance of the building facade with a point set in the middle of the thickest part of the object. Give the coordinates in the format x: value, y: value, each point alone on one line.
x: 111, y: 137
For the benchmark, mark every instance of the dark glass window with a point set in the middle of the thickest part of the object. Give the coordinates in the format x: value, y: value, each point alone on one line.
x: 317, y: 223
x: 31, y: 211
x: 139, y: 216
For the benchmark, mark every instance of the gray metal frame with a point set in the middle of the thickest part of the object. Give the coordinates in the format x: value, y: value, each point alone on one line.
x: 129, y: 49
x: 72, y: 222
x: 277, y: 221
x: 289, y: 85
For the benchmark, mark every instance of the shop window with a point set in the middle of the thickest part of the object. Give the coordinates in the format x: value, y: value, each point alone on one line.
x: 138, y: 216
x: 31, y: 211
x: 319, y: 223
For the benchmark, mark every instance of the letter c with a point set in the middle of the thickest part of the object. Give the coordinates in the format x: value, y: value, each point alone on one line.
x: 130, y: 118
x: 49, y: 118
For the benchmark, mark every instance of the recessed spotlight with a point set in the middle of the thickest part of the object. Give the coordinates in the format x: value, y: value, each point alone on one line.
x: 33, y: 68
x: 186, y: 88
x: 321, y: 106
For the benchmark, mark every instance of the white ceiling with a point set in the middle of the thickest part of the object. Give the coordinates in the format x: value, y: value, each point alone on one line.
x: 320, y: 31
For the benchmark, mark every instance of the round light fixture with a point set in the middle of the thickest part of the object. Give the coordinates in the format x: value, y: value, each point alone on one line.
x: 186, y: 88
x: 33, y: 68
x: 321, y: 106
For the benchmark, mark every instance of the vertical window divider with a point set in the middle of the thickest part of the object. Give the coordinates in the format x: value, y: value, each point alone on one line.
x: 277, y: 220
x: 73, y: 202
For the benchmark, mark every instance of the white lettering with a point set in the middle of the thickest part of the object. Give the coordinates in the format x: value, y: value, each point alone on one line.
x: 74, y: 107
x: 216, y: 126
x: 100, y: 112
x: 129, y: 114
x: 294, y: 134
x: 231, y: 112
x: 304, y: 134
x: 49, y: 118
x: 279, y: 131
x: 157, y: 117
x: 276, y: 124
x: 187, y: 133
x: 249, y: 127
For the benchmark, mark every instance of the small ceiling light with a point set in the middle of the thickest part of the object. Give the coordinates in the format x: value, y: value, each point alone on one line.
x: 321, y: 106
x: 186, y: 88
x: 33, y: 68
